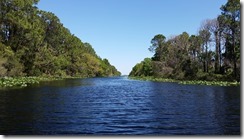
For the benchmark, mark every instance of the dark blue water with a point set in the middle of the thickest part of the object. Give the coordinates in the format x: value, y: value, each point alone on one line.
x: 119, y: 106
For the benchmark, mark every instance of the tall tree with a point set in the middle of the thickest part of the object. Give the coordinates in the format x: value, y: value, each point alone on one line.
x: 157, y: 46
x: 205, y: 36
x: 213, y: 26
x: 195, y: 46
x: 231, y: 15
x: 35, y: 43
x: 181, y: 56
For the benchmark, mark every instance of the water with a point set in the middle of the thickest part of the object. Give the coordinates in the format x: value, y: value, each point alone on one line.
x: 119, y: 106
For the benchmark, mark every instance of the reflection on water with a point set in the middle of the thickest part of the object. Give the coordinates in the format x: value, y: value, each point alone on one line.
x: 119, y: 106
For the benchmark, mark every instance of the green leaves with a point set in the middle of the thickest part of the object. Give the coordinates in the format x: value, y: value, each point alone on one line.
x: 230, y: 22
x: 157, y: 42
x: 35, y: 43
x: 186, y: 57
x: 142, y: 69
x: 7, y: 82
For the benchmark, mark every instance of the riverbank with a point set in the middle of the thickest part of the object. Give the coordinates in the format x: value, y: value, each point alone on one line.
x: 8, y: 82
x: 193, y: 82
x: 20, y: 82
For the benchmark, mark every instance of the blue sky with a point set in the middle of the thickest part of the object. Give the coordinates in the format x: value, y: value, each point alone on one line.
x: 121, y: 30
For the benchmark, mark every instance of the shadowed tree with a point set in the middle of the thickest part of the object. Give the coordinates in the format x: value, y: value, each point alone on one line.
x: 205, y: 36
x: 231, y: 22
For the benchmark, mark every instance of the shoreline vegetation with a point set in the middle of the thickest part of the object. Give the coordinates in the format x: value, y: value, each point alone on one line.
x: 35, y: 46
x: 20, y: 82
x: 210, y: 57
x: 187, y: 82
x: 39, y: 48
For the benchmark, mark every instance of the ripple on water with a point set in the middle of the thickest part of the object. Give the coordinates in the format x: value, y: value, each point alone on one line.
x: 119, y: 106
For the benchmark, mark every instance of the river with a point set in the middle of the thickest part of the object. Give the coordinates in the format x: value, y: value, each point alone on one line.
x: 119, y: 106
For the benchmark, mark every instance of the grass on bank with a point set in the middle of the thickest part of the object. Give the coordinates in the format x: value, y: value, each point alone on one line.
x: 188, y: 82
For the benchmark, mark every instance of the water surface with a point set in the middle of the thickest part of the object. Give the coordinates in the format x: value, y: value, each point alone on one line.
x: 119, y: 106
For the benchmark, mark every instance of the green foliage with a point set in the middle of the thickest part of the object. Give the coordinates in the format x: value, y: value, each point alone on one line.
x: 7, y: 82
x: 190, y: 57
x: 9, y: 64
x: 188, y: 82
x: 108, y: 69
x: 3, y: 70
x: 35, y: 43
x: 213, y: 83
x: 142, y: 69
x: 151, y: 78
x: 231, y: 25
x: 157, y: 42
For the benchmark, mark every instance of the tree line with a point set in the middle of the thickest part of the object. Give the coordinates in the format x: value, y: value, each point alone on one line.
x: 34, y: 42
x: 212, y: 54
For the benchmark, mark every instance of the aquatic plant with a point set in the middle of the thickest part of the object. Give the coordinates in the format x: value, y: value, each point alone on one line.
x: 7, y: 82
x: 193, y: 82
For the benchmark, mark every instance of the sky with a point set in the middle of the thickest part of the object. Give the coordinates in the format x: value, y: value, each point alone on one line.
x: 121, y: 30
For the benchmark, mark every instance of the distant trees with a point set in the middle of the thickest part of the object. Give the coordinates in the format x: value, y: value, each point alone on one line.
x: 193, y: 56
x: 35, y: 43
x: 142, y: 69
